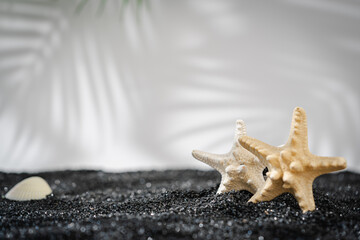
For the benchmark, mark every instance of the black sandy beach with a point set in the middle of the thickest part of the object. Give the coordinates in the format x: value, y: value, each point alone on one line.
x: 178, y: 204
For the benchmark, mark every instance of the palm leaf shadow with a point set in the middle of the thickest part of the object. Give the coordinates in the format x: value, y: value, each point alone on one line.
x: 33, y: 116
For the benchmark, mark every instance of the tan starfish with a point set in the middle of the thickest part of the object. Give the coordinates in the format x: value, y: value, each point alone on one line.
x: 292, y: 168
x: 239, y: 169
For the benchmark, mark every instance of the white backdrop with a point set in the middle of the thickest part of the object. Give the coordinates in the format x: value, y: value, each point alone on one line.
x: 116, y: 86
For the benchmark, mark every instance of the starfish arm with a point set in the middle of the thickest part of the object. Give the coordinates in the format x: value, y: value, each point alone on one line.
x: 257, y: 178
x: 257, y: 147
x: 213, y: 160
x: 236, y: 185
x: 222, y: 188
x: 240, y: 131
x: 298, y: 137
x: 324, y: 165
x: 240, y: 128
x: 303, y: 192
x: 271, y: 190
x: 245, y: 177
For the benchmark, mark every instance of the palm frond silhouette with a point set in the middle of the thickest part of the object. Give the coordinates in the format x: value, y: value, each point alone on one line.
x: 139, y: 84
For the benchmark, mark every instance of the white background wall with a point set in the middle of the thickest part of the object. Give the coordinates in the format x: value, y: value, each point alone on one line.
x: 124, y: 87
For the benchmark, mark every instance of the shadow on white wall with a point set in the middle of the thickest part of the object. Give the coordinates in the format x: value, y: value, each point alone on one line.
x: 122, y: 85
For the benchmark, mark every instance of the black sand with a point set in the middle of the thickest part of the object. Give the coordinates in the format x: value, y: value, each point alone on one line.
x: 174, y: 205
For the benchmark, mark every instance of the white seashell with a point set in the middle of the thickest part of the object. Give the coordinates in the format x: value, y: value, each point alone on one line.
x: 32, y: 188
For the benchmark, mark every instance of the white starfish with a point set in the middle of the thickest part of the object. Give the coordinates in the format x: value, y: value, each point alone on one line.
x: 239, y: 169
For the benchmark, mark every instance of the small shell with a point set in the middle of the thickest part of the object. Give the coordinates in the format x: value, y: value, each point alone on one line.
x: 32, y: 188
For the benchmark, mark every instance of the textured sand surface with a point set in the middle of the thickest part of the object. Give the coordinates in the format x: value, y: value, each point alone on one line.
x: 178, y: 204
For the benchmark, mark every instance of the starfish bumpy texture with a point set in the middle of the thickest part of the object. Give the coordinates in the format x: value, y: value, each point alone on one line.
x: 292, y: 168
x: 239, y: 169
